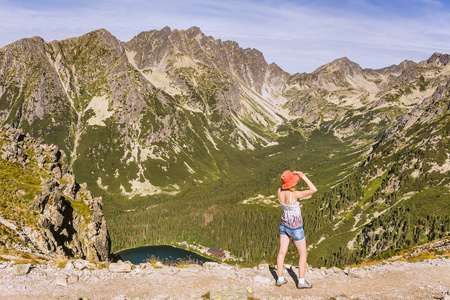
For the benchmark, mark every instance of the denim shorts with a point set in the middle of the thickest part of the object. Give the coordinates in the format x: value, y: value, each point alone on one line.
x: 297, y: 234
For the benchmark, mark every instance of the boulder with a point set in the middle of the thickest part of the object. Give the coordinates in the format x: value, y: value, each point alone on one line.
x: 69, y: 266
x: 73, y: 278
x: 79, y: 265
x: 329, y: 271
x: 119, y: 267
x: 61, y: 281
x: 21, y: 269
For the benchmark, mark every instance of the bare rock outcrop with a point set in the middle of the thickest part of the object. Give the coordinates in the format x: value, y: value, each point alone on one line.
x: 64, y: 218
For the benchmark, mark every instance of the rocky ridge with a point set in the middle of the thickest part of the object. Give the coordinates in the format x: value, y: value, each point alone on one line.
x: 77, y: 279
x: 170, y: 102
x: 52, y: 215
x: 394, y: 278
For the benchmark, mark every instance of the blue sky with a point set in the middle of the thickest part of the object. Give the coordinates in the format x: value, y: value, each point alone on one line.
x: 298, y: 35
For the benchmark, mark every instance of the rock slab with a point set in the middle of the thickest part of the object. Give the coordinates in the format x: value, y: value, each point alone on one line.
x: 22, y: 269
x: 119, y: 268
x: 230, y: 294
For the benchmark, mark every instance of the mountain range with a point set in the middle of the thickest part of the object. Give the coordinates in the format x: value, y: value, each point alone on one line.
x: 177, y: 126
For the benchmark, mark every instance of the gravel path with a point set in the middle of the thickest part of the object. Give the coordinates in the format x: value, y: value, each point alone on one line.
x: 429, y: 279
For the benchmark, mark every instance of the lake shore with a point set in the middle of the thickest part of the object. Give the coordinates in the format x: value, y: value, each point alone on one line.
x: 197, y: 249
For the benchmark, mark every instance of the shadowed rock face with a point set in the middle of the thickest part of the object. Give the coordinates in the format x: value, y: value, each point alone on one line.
x: 64, y: 218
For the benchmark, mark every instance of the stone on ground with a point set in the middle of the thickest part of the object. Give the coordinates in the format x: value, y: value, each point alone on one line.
x: 119, y: 267
x: 21, y: 269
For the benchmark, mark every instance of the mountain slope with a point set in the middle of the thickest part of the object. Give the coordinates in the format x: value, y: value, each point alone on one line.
x: 165, y: 89
x: 182, y: 123
x: 400, y: 196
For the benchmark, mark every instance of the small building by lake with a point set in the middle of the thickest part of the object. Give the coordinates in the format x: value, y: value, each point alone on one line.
x: 214, y: 251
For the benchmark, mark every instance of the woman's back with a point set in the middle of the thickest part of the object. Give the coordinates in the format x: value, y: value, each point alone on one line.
x: 292, y: 215
x: 287, y: 197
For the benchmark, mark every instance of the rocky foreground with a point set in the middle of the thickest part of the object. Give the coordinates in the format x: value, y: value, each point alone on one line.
x: 79, y: 279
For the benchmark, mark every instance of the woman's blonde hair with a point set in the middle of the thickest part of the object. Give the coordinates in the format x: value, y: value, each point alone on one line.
x: 292, y: 189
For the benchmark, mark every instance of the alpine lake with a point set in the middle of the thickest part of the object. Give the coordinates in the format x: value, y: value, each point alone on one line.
x: 165, y: 254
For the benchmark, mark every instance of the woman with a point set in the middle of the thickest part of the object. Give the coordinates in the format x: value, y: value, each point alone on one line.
x: 292, y: 224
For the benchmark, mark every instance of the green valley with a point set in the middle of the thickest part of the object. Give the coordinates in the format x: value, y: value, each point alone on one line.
x: 185, y: 137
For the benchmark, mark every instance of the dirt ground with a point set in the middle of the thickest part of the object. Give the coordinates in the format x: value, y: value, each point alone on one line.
x: 429, y: 279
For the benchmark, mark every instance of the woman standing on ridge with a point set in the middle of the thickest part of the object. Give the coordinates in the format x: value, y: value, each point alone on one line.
x: 292, y: 224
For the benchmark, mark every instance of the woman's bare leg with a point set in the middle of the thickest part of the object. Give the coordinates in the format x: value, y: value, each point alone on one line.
x: 301, y: 247
x: 284, y: 244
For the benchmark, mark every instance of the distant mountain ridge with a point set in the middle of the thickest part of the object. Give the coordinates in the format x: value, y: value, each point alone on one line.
x: 172, y: 109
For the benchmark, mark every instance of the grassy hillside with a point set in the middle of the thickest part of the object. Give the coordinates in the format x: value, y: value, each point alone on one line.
x: 213, y: 212
x: 185, y: 139
x: 357, y: 212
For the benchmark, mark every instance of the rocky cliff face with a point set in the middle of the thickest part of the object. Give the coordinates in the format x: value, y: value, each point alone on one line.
x: 44, y: 211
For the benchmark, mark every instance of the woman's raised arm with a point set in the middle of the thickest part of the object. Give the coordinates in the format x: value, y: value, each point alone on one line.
x: 312, y: 189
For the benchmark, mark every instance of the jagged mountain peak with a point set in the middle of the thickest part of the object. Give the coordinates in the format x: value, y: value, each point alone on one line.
x: 177, y: 50
x: 439, y: 59
x: 166, y: 32
x: 101, y: 31
x: 103, y: 36
x: 342, y: 64
x: 407, y: 63
x: 396, y: 70
x: 194, y: 30
x: 26, y: 44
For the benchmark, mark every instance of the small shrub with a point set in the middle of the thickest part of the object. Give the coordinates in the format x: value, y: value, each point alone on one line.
x: 184, y: 262
x: 61, y: 262
x: 153, y: 260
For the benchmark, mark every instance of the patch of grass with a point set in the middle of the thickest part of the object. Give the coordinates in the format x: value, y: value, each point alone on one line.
x: 184, y: 262
x: 61, y: 262
x: 179, y: 262
x: 81, y: 208
x: 153, y: 260
x: 18, y: 187
x: 102, y: 266
x: 422, y: 256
